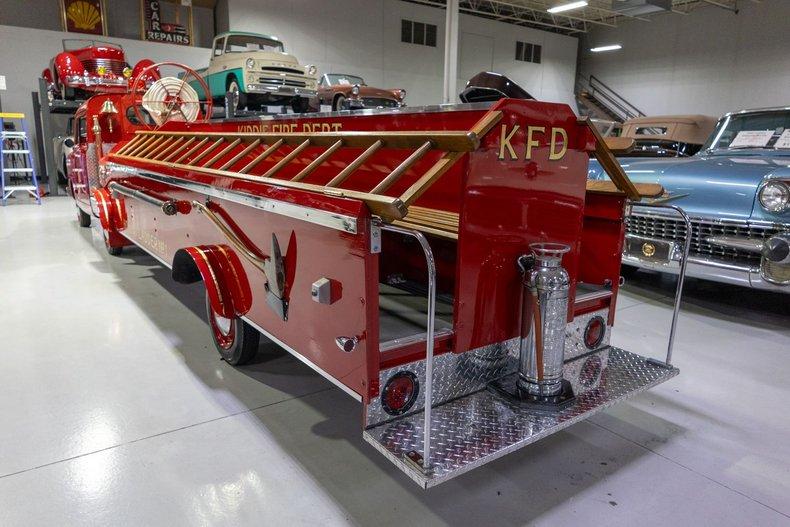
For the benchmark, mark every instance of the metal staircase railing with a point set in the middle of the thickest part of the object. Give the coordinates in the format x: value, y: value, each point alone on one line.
x: 607, y: 98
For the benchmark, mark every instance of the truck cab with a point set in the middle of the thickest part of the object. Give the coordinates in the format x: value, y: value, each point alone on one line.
x: 258, y: 72
x: 103, y: 120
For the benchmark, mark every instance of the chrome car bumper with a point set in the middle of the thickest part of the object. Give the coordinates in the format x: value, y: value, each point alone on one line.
x: 711, y: 270
x: 90, y: 80
x: 722, y: 250
x: 360, y: 104
x: 281, y: 91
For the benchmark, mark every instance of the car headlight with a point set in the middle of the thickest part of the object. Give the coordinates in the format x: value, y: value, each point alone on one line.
x: 774, y: 196
x: 355, y: 89
x: 250, y: 63
x: 311, y: 69
x: 401, y: 94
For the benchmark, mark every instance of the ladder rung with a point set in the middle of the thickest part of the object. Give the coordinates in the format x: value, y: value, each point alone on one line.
x: 17, y: 170
x: 355, y: 164
x: 287, y: 159
x: 222, y: 153
x: 241, y: 154
x: 263, y: 155
x: 20, y: 187
x: 317, y: 161
x: 206, y: 151
x: 393, y: 176
x: 13, y: 151
x: 19, y: 135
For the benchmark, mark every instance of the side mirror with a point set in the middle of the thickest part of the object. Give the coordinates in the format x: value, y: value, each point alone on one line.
x: 69, y: 142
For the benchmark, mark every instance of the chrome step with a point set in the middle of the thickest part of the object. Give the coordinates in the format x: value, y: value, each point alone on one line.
x: 473, y: 430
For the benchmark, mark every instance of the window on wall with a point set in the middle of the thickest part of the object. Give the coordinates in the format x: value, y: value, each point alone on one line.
x: 418, y: 33
x: 527, y: 52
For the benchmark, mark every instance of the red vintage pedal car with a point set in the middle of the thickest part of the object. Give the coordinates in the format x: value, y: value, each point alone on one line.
x: 449, y: 267
x: 86, y: 67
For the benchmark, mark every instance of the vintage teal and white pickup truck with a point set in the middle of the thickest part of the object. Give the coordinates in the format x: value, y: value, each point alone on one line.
x: 258, y: 72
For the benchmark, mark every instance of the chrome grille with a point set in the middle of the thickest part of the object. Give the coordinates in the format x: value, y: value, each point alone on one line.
x: 279, y: 81
x: 375, y: 102
x: 675, y: 229
x: 115, y: 66
x: 279, y: 69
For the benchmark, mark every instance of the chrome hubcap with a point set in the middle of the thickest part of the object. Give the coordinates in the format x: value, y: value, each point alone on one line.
x: 223, y: 324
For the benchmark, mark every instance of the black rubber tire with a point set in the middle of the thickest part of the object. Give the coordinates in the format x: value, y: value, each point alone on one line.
x: 83, y: 219
x: 62, y: 173
x: 241, y: 97
x: 112, y: 251
x: 245, y: 343
x: 337, y: 104
x: 628, y: 271
x: 300, y: 104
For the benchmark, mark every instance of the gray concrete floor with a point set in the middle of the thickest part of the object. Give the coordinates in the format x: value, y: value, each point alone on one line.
x: 117, y: 411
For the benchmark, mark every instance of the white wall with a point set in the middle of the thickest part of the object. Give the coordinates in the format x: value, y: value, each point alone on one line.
x: 348, y: 36
x: 25, y: 52
x: 710, y: 62
x: 363, y: 37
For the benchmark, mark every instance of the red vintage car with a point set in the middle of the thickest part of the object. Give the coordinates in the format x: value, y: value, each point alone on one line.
x: 349, y: 92
x: 86, y: 67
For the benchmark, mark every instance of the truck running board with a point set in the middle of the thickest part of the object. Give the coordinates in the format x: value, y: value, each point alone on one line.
x: 473, y: 430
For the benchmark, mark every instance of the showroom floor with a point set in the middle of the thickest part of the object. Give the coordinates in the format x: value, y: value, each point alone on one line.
x: 116, y: 411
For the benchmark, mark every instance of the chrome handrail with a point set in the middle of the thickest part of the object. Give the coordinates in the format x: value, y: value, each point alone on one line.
x: 168, y: 206
x: 681, y: 271
x: 429, y: 336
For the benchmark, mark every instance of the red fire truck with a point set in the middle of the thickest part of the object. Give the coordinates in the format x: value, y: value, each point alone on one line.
x: 449, y: 267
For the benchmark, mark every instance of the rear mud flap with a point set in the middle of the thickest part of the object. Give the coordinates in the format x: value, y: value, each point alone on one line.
x: 476, y: 429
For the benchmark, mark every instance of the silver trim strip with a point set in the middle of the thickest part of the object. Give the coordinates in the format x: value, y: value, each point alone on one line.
x: 462, y: 107
x: 737, y: 242
x: 414, y: 339
x: 340, y: 222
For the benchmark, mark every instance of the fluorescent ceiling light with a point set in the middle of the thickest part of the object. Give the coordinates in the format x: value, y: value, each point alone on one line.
x: 613, y: 47
x: 566, y: 7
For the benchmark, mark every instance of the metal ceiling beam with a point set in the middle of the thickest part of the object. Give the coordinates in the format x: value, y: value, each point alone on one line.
x: 521, y: 21
x: 543, y: 12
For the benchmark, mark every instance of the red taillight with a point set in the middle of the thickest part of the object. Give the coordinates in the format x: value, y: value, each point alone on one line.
x: 594, y: 332
x: 399, y: 393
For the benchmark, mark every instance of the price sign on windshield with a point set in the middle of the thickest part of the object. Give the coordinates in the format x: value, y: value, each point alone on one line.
x: 784, y: 140
x: 752, y: 139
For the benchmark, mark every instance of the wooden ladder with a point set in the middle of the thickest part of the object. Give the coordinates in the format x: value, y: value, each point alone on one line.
x: 238, y: 155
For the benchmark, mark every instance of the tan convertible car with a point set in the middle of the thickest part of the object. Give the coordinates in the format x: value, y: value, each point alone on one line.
x: 349, y: 92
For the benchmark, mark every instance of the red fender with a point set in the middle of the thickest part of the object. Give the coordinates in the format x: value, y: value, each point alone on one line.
x: 67, y: 64
x: 47, y: 76
x: 151, y: 76
x: 220, y: 269
x: 112, y: 211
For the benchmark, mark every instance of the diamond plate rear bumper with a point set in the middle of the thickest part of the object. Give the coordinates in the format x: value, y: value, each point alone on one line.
x: 473, y: 430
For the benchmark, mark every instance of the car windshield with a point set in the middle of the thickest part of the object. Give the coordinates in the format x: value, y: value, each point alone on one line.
x: 245, y: 43
x: 338, y: 79
x: 71, y: 44
x: 761, y: 130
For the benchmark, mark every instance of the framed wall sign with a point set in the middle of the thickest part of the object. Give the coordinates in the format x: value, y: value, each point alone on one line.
x: 167, y: 21
x: 83, y: 16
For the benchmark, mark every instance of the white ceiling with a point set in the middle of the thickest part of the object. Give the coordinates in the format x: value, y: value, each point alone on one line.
x: 603, y: 13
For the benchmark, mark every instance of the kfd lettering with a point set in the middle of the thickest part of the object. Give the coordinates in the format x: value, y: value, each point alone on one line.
x: 535, y: 135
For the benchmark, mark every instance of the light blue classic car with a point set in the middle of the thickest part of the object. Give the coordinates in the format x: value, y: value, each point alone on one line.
x: 736, y: 191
